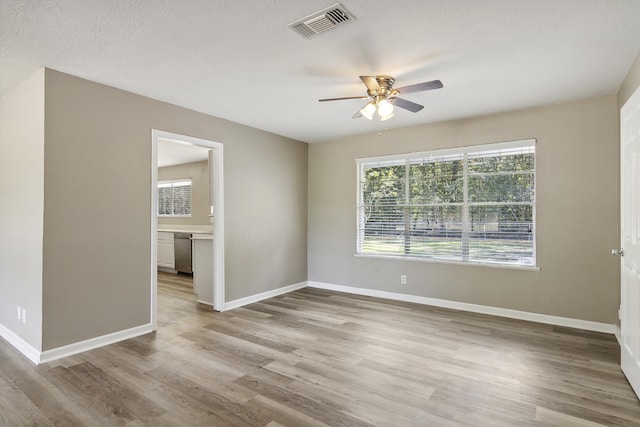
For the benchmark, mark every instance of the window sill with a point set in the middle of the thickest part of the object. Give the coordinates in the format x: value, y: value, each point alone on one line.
x: 441, y: 261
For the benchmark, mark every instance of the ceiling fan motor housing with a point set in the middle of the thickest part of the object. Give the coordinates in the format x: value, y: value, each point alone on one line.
x: 386, y: 87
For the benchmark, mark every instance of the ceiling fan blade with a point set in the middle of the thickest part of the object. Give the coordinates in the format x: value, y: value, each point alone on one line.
x: 433, y: 84
x: 407, y: 105
x: 357, y: 115
x: 340, y: 99
x: 371, y: 83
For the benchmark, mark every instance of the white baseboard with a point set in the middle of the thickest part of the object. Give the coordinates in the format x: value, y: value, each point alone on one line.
x: 21, y: 345
x: 92, y: 343
x: 474, y: 308
x: 618, y: 335
x: 39, y: 357
x: 229, y: 305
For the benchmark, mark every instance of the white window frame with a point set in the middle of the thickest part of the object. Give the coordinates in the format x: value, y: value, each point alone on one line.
x: 175, y: 183
x: 390, y: 160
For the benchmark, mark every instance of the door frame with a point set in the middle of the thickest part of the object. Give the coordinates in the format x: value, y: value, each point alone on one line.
x: 217, y: 180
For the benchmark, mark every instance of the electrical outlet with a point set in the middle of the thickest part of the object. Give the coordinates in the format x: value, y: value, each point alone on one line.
x: 403, y: 279
x: 19, y: 313
x: 24, y: 315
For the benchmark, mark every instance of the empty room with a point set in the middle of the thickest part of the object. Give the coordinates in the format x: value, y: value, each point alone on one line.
x: 309, y: 213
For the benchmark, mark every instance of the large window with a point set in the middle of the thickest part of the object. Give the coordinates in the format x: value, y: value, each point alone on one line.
x: 174, y: 198
x: 475, y: 204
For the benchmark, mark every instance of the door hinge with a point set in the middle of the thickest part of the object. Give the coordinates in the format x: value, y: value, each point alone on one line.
x: 618, y: 252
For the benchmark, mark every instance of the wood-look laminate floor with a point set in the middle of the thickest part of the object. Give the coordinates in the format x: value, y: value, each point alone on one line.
x: 317, y: 358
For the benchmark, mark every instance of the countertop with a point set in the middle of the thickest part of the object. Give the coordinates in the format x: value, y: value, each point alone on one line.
x: 200, y: 236
x: 193, y: 229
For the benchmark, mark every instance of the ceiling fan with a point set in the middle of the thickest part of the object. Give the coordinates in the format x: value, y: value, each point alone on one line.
x: 383, y: 96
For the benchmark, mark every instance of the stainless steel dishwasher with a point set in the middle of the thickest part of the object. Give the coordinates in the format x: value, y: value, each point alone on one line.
x: 182, y: 251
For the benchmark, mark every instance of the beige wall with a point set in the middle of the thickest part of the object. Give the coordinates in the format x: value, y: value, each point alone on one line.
x: 97, y: 218
x: 198, y: 172
x: 21, y: 202
x: 577, y: 213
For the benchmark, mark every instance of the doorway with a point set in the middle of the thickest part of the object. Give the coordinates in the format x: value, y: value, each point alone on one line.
x: 216, y: 205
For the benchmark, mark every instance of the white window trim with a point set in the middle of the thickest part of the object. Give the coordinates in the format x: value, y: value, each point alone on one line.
x: 410, y: 258
x: 394, y: 159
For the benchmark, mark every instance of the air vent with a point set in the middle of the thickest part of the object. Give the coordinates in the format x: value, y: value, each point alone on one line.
x: 322, y: 20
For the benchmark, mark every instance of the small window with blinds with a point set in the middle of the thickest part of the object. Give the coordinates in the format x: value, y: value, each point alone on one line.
x: 174, y: 198
x: 474, y: 204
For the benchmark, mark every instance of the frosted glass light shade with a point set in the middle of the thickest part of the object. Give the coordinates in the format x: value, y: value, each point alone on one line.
x: 385, y: 109
x: 368, y: 110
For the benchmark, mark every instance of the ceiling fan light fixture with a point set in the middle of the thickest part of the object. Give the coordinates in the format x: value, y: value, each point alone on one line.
x: 383, y: 97
x: 368, y: 110
x: 387, y: 117
x: 385, y: 109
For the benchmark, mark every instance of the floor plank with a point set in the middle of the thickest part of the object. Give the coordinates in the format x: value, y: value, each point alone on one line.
x: 321, y: 358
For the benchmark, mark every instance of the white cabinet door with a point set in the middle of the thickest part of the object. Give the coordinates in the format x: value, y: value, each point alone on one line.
x: 166, y: 256
x: 203, y: 270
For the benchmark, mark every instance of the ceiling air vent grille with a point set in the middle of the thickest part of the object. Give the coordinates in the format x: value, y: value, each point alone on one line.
x: 322, y: 20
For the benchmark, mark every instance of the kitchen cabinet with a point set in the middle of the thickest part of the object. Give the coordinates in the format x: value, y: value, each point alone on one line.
x: 166, y: 257
x: 203, y: 268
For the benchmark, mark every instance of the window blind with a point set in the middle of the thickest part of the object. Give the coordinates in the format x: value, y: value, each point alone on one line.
x: 471, y: 205
x: 174, y: 198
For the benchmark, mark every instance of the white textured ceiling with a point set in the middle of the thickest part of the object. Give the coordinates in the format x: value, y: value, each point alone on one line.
x: 172, y: 153
x: 239, y: 61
